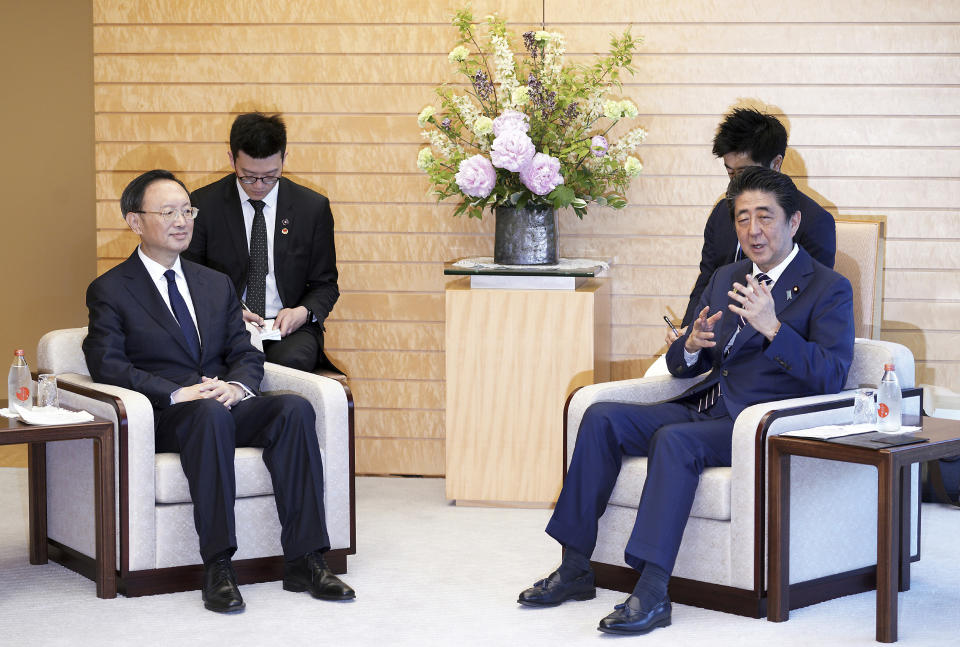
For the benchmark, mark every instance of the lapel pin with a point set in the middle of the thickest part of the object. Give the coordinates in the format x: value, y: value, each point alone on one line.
x: 789, y: 295
x: 284, y: 222
x: 284, y: 231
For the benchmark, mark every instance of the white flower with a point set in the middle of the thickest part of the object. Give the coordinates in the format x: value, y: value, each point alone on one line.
x: 483, y: 126
x: 628, y: 109
x: 424, y: 117
x: 520, y: 96
x: 424, y: 159
x: 458, y: 54
x: 627, y: 143
x: 553, y: 57
x: 466, y: 107
x: 504, y: 74
x: 612, y: 109
x: 541, y: 36
x: 632, y: 166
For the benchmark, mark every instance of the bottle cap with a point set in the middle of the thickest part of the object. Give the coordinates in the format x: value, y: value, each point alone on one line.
x: 18, y: 352
x: 888, y: 367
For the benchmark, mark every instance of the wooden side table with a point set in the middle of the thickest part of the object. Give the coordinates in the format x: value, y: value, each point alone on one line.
x: 14, y: 432
x: 893, y: 507
x: 512, y: 358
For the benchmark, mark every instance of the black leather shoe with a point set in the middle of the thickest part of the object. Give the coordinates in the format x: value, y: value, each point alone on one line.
x: 220, y: 590
x: 553, y: 590
x: 632, y: 618
x: 311, y: 573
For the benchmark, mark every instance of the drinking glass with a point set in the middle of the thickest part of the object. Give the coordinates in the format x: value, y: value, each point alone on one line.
x: 47, y: 395
x: 864, y: 407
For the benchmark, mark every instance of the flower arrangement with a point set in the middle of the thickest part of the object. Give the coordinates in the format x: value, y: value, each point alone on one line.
x: 529, y: 130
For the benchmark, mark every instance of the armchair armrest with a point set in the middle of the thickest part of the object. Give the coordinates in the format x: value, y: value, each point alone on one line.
x: 333, y: 405
x: 132, y: 415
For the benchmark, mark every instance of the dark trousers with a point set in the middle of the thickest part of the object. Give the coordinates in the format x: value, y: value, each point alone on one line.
x: 300, y: 349
x: 205, y: 434
x: 678, y: 442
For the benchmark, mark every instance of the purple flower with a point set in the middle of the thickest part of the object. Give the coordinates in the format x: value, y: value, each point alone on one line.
x: 542, y: 174
x: 476, y: 176
x: 598, y: 145
x: 512, y: 150
x: 510, y: 120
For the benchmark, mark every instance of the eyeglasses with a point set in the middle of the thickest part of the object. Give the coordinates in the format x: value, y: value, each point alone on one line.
x: 169, y: 215
x: 269, y: 180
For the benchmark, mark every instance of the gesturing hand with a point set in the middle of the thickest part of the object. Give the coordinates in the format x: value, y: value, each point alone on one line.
x: 756, y: 306
x: 701, y: 335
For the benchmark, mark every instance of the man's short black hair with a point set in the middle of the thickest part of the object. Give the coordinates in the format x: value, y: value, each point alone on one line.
x: 132, y: 197
x: 258, y: 135
x: 760, y: 178
x: 745, y: 130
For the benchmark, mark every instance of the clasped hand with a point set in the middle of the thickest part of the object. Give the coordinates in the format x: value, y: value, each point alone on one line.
x: 756, y: 306
x: 225, y: 393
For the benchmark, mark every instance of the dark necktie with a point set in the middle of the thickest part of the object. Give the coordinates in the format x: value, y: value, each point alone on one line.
x: 257, y: 272
x: 709, y: 397
x: 182, y: 313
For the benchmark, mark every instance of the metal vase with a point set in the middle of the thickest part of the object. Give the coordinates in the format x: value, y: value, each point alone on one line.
x: 526, y: 236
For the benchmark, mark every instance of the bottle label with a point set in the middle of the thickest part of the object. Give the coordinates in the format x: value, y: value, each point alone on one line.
x: 883, y: 410
x: 22, y: 393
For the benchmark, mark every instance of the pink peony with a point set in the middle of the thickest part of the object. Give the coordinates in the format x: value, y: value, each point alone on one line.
x: 476, y: 176
x: 510, y: 120
x: 542, y: 174
x: 512, y: 150
x: 598, y: 145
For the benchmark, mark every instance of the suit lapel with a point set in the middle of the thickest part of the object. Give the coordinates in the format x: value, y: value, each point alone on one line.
x: 236, y: 228
x: 281, y: 241
x: 145, y: 292
x: 202, y: 307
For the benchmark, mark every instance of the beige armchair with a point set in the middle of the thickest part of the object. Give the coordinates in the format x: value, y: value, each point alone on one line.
x: 722, y: 560
x: 157, y: 546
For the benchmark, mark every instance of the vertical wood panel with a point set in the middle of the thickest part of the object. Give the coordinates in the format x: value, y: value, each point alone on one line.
x: 868, y: 89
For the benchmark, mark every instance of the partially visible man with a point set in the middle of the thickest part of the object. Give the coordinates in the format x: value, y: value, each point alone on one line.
x: 172, y: 330
x: 777, y: 325
x: 273, y: 238
x: 747, y: 137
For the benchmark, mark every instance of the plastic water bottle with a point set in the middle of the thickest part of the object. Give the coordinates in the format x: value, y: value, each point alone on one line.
x: 19, y: 384
x: 888, y: 401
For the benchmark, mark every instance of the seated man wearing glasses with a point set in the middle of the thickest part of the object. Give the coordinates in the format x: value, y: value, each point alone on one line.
x: 172, y: 330
x: 273, y: 238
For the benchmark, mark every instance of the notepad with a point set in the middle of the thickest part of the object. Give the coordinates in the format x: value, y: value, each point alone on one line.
x: 268, y: 332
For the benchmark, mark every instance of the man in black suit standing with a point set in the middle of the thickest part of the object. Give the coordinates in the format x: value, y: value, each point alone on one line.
x: 747, y: 137
x: 172, y: 330
x: 273, y: 238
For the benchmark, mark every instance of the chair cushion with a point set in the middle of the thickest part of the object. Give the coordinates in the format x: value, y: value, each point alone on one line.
x: 253, y: 478
x: 711, y: 502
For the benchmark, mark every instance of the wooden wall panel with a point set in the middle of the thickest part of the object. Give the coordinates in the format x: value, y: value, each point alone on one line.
x: 869, y: 90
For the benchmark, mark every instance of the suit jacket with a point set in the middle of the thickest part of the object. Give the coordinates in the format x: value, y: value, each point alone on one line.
x: 817, y: 234
x: 810, y: 354
x: 304, y: 259
x: 135, y: 342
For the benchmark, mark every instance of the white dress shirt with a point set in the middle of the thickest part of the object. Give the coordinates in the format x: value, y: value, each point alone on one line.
x: 272, y: 303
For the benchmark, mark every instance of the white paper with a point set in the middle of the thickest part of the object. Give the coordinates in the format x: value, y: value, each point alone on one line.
x: 836, y: 431
x: 268, y: 332
x: 51, y: 416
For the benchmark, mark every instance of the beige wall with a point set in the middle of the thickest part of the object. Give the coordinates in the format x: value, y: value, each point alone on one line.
x: 869, y: 89
x: 48, y: 214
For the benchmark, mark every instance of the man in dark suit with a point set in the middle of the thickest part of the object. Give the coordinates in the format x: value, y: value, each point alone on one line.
x: 273, y: 238
x: 172, y: 330
x: 745, y: 138
x: 776, y: 325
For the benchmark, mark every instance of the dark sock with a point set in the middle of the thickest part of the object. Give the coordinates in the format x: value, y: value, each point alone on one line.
x: 652, y: 585
x: 574, y: 564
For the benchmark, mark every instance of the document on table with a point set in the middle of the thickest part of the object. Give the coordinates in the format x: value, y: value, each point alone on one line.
x: 827, y: 432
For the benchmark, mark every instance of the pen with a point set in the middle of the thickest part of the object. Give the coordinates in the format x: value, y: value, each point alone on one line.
x: 672, y: 327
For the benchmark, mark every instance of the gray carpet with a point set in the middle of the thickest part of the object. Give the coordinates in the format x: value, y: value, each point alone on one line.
x: 428, y: 573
